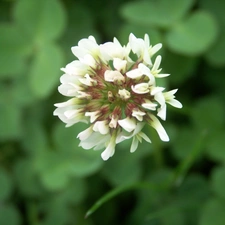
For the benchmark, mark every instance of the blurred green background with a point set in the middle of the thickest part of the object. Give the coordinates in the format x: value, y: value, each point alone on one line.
x: 46, y: 179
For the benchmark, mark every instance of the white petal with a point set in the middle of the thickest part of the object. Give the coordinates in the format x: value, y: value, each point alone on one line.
x: 67, y: 78
x: 145, y: 70
x: 93, y: 115
x: 101, y: 127
x: 147, y: 40
x: 114, y: 49
x: 124, y: 94
x: 124, y: 136
x: 159, y: 97
x: 127, y: 124
x: 155, y: 49
x: 175, y: 103
x: 82, y: 94
x: 141, y: 88
x: 145, y: 137
x: 146, y: 57
x: 64, y: 104
x: 69, y: 120
x: 87, y: 80
x: 113, y: 122
x: 157, y: 63
x: 76, y: 68
x: 72, y: 113
x: 162, y: 112
x: 138, y: 128
x: 162, y: 75
x: 159, y: 128
x: 170, y: 94
x: 149, y: 105
x: 86, y: 46
x: 138, y: 114
x: 155, y: 90
x: 135, y: 73
x: 134, y: 43
x: 134, y: 144
x: 67, y: 90
x: 112, y: 76
x: 89, y: 60
x: 119, y: 64
x: 85, y: 134
x: 95, y: 140
x: 110, y: 149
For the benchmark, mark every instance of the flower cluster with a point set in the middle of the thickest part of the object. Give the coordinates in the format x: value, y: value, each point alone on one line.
x: 113, y: 88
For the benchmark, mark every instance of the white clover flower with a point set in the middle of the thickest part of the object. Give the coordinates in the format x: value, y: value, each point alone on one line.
x: 113, y: 94
x: 143, y: 49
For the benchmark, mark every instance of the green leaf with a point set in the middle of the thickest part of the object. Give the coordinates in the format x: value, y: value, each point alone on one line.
x: 172, y: 216
x: 10, y: 120
x: 213, y: 212
x: 193, y: 150
x: 78, y: 186
x: 216, y: 56
x: 216, y: 7
x: 215, y: 79
x: 160, y: 13
x: 82, y: 162
x: 38, y: 141
x: 62, y: 133
x: 58, y: 214
x: 194, y: 35
x: 56, y: 169
x: 193, y: 191
x: 210, y: 120
x: 77, y: 28
x: 16, y: 91
x: 218, y: 181
x: 184, y: 204
x: 85, y: 162
x: 45, y: 70
x: 9, y: 215
x: 148, y: 200
x: 27, y: 179
x: 180, y: 149
x: 215, y: 146
x: 14, y: 49
x: 6, y: 185
x: 4, y: 11
x: 126, y: 168
x: 41, y: 20
x: 69, y: 160
x: 179, y: 66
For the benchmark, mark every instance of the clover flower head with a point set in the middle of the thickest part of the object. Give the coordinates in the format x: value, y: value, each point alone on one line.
x: 114, y: 94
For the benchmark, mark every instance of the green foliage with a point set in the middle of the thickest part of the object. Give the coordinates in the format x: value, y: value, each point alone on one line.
x: 218, y: 181
x: 9, y: 215
x: 213, y: 212
x: 47, y: 179
x: 186, y: 37
x: 44, y: 70
x: 6, y: 185
x: 160, y: 13
x: 216, y: 56
x: 14, y: 49
x: 41, y: 20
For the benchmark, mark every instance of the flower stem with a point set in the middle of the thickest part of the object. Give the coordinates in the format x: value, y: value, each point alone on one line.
x: 120, y: 190
x: 157, y: 150
x: 176, y: 178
